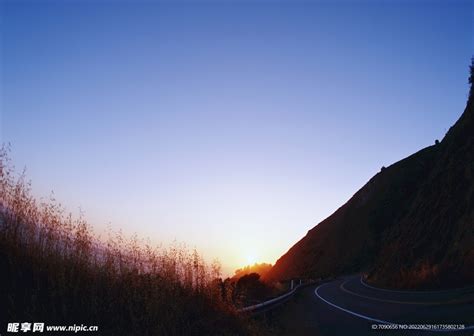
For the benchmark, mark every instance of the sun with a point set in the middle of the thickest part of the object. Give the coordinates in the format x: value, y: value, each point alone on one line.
x: 251, y: 259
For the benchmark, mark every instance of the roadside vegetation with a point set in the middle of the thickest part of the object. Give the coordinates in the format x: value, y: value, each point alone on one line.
x: 56, y: 270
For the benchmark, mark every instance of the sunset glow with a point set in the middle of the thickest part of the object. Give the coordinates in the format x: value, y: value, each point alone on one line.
x: 231, y: 128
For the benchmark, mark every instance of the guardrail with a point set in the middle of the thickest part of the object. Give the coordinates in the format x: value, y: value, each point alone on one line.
x: 273, y: 301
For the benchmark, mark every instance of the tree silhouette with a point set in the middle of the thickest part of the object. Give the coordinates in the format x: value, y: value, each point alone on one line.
x: 250, y: 288
x: 471, y: 78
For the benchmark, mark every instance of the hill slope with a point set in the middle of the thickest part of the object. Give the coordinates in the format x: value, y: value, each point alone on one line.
x: 411, y: 225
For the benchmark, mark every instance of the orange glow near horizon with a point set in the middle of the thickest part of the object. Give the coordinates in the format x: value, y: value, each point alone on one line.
x: 238, y: 255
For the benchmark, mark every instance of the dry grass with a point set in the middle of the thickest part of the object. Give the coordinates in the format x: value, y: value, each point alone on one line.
x: 55, y: 269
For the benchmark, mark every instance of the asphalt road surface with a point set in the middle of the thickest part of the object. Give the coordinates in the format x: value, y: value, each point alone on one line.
x: 348, y: 306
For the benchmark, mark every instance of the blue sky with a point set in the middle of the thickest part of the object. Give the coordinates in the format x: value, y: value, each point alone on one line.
x: 232, y: 126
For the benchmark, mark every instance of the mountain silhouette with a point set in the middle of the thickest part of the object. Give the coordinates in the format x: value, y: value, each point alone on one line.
x: 410, y: 226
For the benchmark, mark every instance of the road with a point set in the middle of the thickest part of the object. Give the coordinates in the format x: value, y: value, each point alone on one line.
x: 347, y: 306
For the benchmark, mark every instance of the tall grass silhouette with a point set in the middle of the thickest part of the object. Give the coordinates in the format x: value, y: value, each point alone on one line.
x: 56, y: 270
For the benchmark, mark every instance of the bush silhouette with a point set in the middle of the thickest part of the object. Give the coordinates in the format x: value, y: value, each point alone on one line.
x: 250, y: 289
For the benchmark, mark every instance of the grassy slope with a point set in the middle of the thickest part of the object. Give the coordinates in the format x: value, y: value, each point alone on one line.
x: 54, y: 270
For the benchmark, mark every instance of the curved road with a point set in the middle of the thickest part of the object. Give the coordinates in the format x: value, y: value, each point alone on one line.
x: 348, y: 306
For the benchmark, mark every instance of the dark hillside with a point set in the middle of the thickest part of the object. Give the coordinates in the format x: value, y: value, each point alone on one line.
x: 347, y: 241
x: 434, y: 242
x: 411, y: 225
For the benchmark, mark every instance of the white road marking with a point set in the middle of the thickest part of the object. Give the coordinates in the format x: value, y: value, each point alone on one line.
x: 368, y: 318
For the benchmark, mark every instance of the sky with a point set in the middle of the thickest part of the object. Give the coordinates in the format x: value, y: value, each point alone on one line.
x: 231, y: 126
